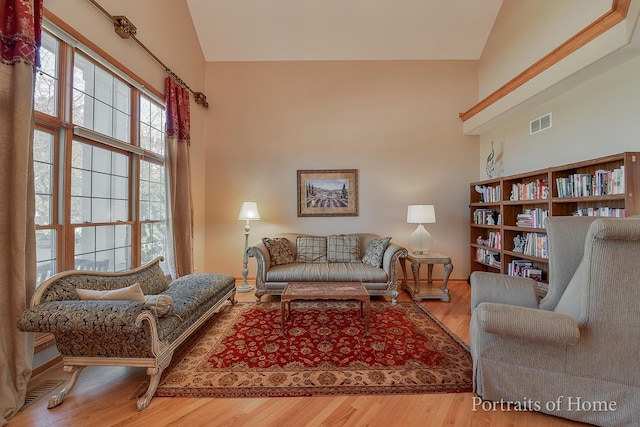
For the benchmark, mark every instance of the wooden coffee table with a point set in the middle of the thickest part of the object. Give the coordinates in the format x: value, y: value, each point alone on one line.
x: 341, y: 291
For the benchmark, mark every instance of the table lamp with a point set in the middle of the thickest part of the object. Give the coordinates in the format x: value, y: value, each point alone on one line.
x: 420, y: 240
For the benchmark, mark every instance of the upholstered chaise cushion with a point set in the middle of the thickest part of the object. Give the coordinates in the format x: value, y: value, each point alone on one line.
x: 311, y: 248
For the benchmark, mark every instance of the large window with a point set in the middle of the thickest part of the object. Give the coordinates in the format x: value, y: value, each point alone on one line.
x: 100, y: 188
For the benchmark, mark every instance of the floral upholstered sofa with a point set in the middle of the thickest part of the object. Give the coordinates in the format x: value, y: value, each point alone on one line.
x: 132, y: 318
x: 362, y: 257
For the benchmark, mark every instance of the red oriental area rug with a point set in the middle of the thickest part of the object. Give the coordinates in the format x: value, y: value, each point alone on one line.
x: 240, y: 353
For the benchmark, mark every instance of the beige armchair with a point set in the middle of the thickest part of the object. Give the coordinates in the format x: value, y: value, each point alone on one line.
x: 575, y: 354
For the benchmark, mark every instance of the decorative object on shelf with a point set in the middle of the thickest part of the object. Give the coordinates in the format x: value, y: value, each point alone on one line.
x: 518, y: 244
x: 479, y: 240
x: 248, y: 212
x: 420, y: 240
x: 491, y: 164
x: 328, y: 192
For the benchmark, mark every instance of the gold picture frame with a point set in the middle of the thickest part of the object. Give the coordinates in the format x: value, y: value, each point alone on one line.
x: 332, y: 192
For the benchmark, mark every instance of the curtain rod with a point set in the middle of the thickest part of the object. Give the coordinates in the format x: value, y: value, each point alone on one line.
x: 126, y: 30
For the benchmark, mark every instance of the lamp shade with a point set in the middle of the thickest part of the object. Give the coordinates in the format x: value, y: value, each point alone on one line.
x: 421, y: 214
x: 249, y: 211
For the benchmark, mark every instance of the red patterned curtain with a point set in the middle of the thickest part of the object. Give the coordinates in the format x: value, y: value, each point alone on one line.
x: 20, y: 29
x: 179, y: 167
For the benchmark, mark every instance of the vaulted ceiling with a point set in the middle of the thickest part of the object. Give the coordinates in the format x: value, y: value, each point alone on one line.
x: 294, y: 30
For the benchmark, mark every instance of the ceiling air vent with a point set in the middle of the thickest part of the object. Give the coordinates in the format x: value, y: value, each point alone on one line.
x: 540, y: 124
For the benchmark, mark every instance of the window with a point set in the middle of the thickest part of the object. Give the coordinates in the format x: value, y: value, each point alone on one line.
x: 46, y: 89
x: 100, y: 189
x: 101, y: 102
x: 46, y: 233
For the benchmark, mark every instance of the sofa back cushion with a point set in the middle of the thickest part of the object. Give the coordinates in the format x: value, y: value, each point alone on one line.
x: 311, y: 249
x: 343, y: 248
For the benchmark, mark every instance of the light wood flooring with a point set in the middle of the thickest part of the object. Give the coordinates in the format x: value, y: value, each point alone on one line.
x: 102, y: 398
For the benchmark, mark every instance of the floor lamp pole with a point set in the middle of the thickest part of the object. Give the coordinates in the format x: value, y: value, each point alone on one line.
x: 245, y: 286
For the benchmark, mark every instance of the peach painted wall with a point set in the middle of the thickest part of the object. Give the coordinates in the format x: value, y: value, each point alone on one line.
x: 178, y: 49
x: 395, y: 121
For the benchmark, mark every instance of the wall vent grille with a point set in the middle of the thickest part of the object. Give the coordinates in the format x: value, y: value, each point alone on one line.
x: 540, y: 124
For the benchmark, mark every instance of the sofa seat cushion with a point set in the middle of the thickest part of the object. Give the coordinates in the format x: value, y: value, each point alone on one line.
x: 192, y: 295
x: 327, y: 272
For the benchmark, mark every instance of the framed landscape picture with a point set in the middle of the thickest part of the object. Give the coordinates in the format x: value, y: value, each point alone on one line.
x: 328, y: 192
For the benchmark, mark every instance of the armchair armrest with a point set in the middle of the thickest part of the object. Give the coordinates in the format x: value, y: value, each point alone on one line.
x: 500, y: 288
x: 527, y: 323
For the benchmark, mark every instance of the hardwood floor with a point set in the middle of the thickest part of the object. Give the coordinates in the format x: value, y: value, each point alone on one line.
x: 102, y: 397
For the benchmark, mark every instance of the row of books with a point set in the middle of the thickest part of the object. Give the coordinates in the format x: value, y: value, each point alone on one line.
x: 524, y: 268
x: 537, y: 245
x: 532, y: 218
x: 538, y: 189
x: 489, y: 194
x: 600, y: 183
x: 486, y: 217
x: 487, y: 256
x: 603, y: 211
x: 494, y: 240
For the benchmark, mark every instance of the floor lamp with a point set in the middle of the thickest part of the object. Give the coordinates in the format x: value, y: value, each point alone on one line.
x: 248, y: 212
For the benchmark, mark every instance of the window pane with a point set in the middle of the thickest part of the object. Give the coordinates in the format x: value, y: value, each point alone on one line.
x: 46, y: 89
x: 43, y: 209
x: 43, y: 176
x: 102, y: 119
x: 85, y: 240
x: 105, y: 237
x: 101, y: 101
x: 103, y: 248
x: 152, y: 132
x: 119, y: 210
x: 46, y: 250
x: 80, y: 210
x: 101, y: 160
x: 104, y: 86
x: 100, y: 185
x: 100, y: 210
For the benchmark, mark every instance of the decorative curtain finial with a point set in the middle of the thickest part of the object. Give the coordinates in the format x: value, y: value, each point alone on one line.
x: 123, y: 27
x: 201, y: 99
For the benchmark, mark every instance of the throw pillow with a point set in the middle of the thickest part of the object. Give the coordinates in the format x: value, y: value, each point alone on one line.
x: 343, y: 248
x: 311, y: 249
x: 374, y: 251
x: 161, y: 305
x: 280, y: 250
x: 131, y: 293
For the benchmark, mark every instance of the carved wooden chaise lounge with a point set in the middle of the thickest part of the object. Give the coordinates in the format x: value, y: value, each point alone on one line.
x: 123, y: 332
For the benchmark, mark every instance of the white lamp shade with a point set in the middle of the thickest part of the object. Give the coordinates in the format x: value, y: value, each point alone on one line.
x: 249, y: 211
x: 421, y: 214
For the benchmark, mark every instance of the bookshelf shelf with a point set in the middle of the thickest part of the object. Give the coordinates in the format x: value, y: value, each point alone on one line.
x: 518, y: 205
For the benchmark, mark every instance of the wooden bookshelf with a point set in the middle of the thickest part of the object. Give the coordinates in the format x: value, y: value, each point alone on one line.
x: 605, y: 186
